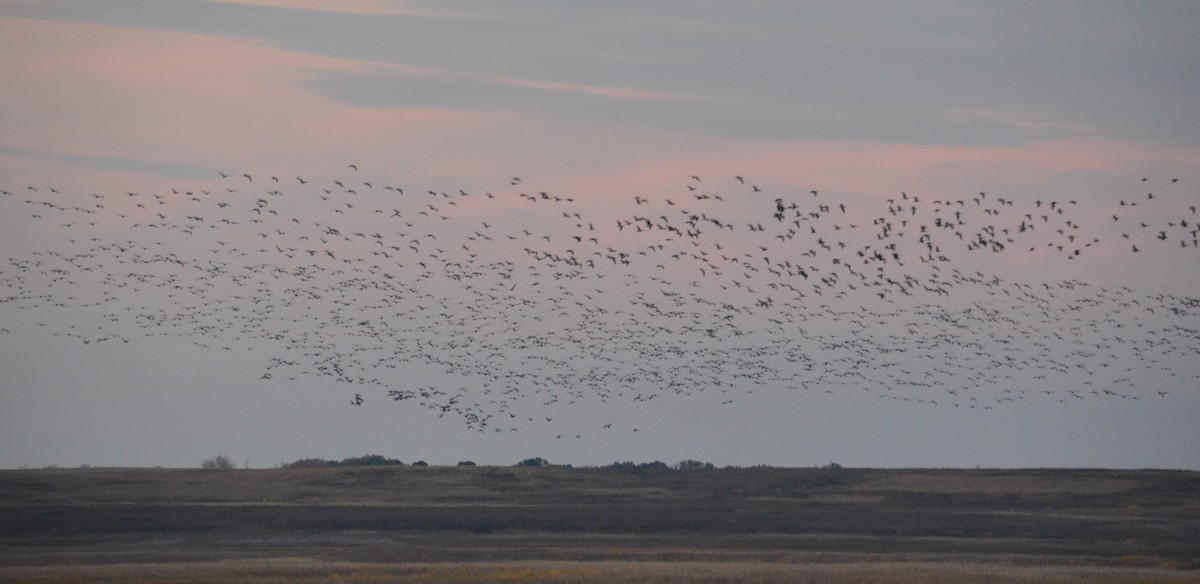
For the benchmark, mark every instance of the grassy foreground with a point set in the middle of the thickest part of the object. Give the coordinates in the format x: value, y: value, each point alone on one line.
x: 507, y: 524
x: 308, y: 571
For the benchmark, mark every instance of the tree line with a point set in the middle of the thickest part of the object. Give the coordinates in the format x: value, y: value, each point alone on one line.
x: 223, y: 462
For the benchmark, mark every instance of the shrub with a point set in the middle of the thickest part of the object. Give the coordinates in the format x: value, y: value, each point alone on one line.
x: 832, y: 475
x: 466, y: 463
x: 538, y: 462
x: 690, y: 465
x: 219, y: 462
x: 369, y: 460
x: 640, y: 468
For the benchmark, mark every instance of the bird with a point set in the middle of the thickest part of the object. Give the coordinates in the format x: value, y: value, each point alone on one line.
x: 570, y: 300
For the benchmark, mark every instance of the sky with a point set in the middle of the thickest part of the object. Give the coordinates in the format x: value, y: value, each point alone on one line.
x: 519, y: 131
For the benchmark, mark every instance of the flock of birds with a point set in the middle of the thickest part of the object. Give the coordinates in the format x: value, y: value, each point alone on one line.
x: 499, y: 307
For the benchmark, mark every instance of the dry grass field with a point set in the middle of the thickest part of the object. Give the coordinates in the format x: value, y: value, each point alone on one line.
x: 590, y: 525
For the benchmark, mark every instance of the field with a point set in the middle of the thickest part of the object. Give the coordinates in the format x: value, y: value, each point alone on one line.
x: 553, y: 524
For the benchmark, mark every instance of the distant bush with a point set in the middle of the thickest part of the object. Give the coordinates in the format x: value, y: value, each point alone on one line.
x: 537, y: 462
x: 691, y: 465
x: 420, y: 463
x: 640, y: 468
x: 369, y: 460
x: 832, y: 475
x: 466, y: 463
x: 220, y: 462
x: 365, y: 460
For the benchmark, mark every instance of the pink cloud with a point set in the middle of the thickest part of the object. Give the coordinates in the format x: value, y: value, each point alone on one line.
x: 868, y: 168
x: 94, y: 89
x: 379, y: 7
x: 1021, y: 120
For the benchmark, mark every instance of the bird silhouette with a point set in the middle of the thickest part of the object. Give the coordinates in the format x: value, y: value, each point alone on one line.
x: 563, y: 302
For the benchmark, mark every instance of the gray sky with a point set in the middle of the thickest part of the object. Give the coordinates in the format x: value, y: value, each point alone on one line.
x: 614, y: 106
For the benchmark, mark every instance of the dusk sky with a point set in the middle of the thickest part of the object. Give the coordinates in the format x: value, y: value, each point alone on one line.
x: 537, y: 142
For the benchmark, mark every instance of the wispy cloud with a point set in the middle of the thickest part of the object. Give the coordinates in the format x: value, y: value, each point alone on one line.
x: 375, y: 7
x: 769, y: 71
x: 433, y: 73
x: 95, y: 161
x: 1021, y: 120
x: 597, y: 90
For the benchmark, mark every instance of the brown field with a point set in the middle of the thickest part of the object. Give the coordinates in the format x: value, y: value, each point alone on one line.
x: 510, y: 524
